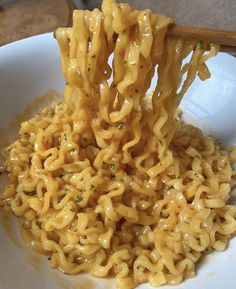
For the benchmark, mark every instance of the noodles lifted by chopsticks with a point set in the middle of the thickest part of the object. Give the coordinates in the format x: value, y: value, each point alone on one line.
x: 109, y: 181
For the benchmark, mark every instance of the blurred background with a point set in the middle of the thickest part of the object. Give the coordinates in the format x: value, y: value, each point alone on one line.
x: 24, y: 18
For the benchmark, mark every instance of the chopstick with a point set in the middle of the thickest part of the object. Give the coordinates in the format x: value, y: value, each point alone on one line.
x: 227, y: 39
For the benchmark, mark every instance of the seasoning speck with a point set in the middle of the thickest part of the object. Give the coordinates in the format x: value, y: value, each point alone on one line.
x: 78, y: 199
x: 113, y: 168
x: 200, y: 45
x: 30, y: 193
x: 120, y: 125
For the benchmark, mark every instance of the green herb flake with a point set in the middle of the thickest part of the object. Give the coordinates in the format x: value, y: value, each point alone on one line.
x: 30, y: 193
x: 120, y: 125
x: 160, y: 142
x: 113, y: 168
x: 65, y: 137
x: 39, y: 224
x: 78, y: 199
x: 200, y: 45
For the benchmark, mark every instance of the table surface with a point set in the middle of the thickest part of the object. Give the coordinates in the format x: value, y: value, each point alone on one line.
x: 23, y: 18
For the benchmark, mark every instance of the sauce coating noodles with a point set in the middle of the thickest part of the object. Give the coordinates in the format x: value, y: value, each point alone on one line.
x: 110, y: 181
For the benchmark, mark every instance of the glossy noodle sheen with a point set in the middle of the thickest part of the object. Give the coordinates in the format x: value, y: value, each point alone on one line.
x: 110, y: 181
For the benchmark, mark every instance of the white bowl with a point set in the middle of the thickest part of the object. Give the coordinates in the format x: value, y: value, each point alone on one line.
x: 30, y: 67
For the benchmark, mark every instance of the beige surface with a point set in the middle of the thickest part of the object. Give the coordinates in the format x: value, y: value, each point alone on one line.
x: 219, y: 14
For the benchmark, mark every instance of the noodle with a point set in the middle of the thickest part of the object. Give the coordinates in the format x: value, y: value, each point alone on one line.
x: 110, y: 181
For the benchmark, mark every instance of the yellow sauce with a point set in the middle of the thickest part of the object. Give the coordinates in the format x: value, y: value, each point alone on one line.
x: 9, y: 132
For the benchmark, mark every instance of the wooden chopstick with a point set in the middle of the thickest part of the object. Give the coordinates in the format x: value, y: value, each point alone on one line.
x: 227, y: 39
x: 228, y: 49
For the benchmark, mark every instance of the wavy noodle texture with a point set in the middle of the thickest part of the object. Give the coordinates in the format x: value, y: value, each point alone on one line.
x: 109, y: 181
